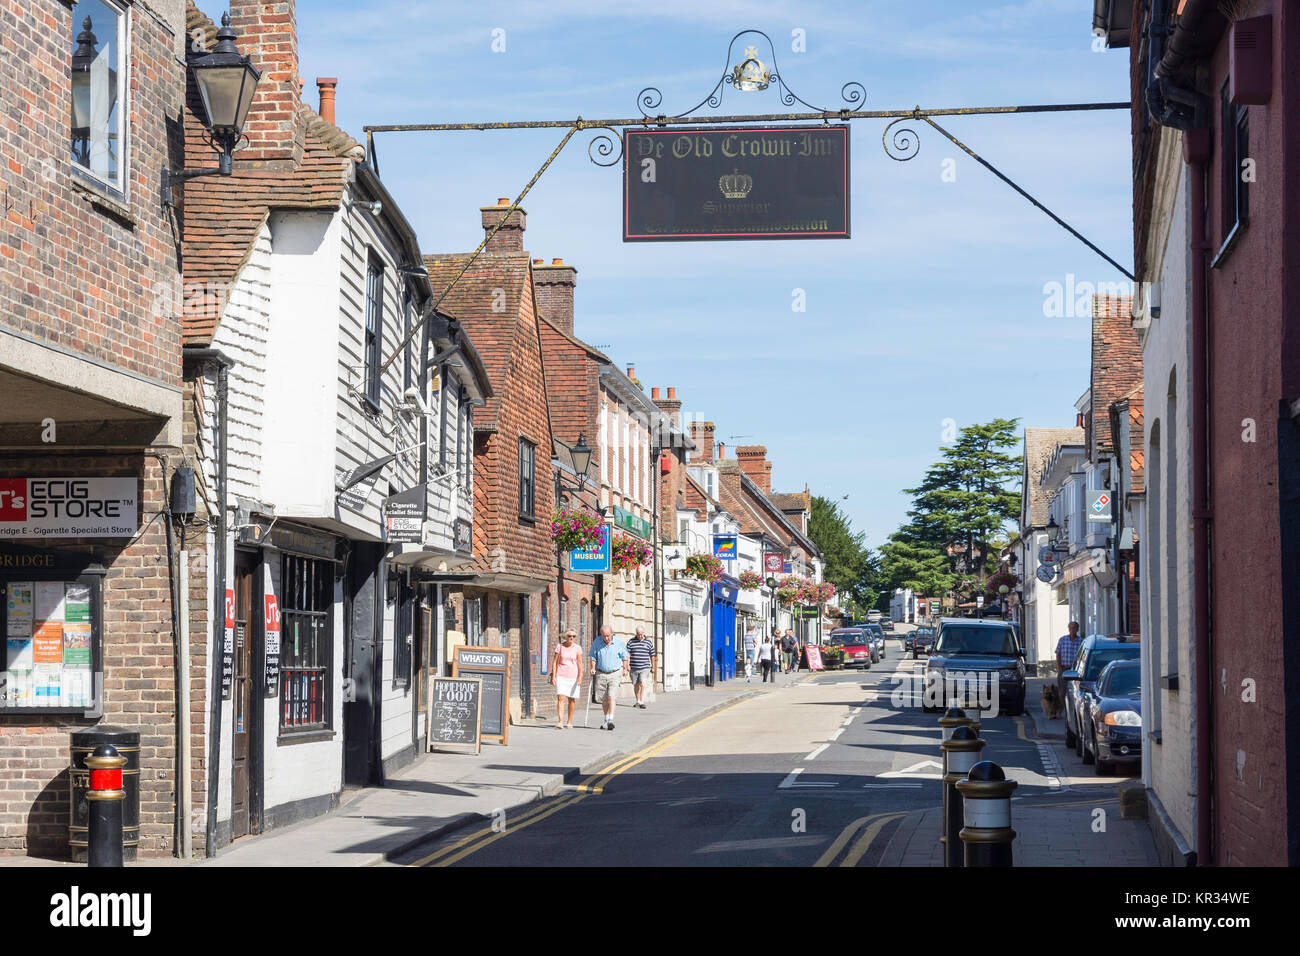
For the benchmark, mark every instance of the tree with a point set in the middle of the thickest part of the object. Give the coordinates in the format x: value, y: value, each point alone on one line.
x: 850, y: 566
x: 910, y: 560
x: 964, y: 499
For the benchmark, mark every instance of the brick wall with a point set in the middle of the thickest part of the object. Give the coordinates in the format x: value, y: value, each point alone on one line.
x: 80, y: 269
x: 139, y: 676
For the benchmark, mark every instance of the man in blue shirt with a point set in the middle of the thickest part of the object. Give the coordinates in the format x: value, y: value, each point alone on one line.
x: 608, y: 665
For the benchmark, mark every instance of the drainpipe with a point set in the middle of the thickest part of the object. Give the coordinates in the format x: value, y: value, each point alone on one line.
x: 175, y: 586
x: 207, y: 357
x: 1196, y: 152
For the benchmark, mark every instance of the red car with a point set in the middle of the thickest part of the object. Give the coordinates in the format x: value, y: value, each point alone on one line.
x: 855, y: 642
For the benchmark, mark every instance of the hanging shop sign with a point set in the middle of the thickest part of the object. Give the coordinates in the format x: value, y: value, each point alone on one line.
x: 724, y: 547
x: 404, y: 515
x: 773, y: 562
x: 464, y: 535
x: 355, y: 484
x: 592, y: 559
x: 68, y: 507
x: 630, y: 522
x: 675, y: 558
x: 757, y: 182
x: 1100, y: 506
x: 228, y: 647
x: 492, y: 666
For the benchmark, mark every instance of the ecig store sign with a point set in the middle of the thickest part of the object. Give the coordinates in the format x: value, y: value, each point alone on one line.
x: 68, y: 507
x: 757, y: 182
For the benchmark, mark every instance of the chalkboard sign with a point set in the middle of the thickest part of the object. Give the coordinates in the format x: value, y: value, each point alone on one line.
x: 455, y: 712
x: 492, y: 666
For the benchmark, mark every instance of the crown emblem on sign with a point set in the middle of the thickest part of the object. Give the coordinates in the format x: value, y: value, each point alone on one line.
x: 750, y: 74
x: 736, y: 185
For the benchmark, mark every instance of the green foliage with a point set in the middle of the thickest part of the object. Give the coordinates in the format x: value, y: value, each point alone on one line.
x: 910, y: 560
x: 850, y: 565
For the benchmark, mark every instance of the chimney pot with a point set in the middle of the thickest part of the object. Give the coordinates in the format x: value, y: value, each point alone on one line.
x: 537, y: 262
x: 722, y: 451
x: 557, y: 262
x: 672, y: 391
x: 654, y: 394
x: 631, y: 371
x: 326, y: 85
x: 503, y: 201
x: 509, y: 239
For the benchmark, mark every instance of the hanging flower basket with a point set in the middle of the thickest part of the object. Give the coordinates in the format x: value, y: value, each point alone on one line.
x: 787, y: 590
x: 572, y: 529
x: 825, y: 593
x: 704, y: 567
x: 749, y: 580
x: 628, y: 554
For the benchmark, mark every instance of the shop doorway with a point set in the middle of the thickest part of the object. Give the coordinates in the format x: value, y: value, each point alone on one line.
x: 244, y: 740
x: 361, y: 662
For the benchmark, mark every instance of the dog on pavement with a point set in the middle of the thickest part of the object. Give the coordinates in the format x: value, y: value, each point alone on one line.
x: 1051, y: 701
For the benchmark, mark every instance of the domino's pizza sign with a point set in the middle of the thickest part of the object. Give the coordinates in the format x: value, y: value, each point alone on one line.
x: 1100, y: 506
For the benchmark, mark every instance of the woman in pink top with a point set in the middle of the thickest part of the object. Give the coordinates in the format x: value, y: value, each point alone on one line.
x: 566, y: 675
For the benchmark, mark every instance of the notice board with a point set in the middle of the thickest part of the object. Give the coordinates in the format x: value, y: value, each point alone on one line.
x: 492, y: 666
x: 455, y: 712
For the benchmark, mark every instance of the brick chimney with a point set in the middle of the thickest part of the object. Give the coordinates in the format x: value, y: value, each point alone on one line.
x: 267, y: 32
x: 326, y: 85
x: 509, y: 239
x: 702, y: 435
x: 722, y: 451
x: 555, y: 285
x: 753, y: 462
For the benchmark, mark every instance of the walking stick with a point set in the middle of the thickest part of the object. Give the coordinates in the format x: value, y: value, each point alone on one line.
x: 587, y: 715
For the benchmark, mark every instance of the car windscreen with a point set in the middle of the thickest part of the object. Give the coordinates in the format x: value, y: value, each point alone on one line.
x: 957, y: 639
x: 1101, y: 656
x: 1123, y: 682
x: 875, y: 629
x: 841, y: 638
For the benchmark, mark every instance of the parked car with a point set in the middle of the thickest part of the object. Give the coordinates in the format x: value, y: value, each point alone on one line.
x: 921, y: 640
x: 887, y: 624
x: 1095, y: 653
x: 1112, y: 725
x: 986, y: 650
x: 877, y: 632
x: 855, y: 642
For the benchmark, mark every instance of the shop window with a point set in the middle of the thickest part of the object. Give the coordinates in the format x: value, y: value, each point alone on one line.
x: 98, y: 40
x: 53, y: 625
x: 446, y: 388
x: 503, y: 623
x: 408, y: 350
x: 403, y: 631
x: 306, y: 644
x: 474, y: 621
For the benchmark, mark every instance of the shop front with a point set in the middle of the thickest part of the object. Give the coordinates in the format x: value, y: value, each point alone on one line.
x: 723, y: 623
x: 683, y: 603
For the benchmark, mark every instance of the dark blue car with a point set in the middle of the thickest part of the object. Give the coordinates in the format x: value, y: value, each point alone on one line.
x: 1081, y: 681
x: 1112, y: 726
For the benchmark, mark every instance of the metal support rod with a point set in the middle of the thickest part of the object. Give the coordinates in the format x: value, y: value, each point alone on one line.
x: 432, y: 307
x: 1057, y: 219
x: 822, y: 116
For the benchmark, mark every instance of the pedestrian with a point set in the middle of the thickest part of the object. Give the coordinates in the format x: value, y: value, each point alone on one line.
x: 751, y: 642
x: 788, y: 646
x: 641, y: 659
x: 566, y: 676
x: 766, y: 658
x: 608, y: 665
x: 1067, y: 650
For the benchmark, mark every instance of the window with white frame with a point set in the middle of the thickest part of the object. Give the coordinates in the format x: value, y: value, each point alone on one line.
x: 374, y: 327
x: 98, y: 133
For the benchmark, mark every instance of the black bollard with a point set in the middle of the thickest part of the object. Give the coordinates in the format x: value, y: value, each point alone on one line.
x: 955, y: 717
x: 960, y: 752
x: 987, y: 835
x: 105, y: 797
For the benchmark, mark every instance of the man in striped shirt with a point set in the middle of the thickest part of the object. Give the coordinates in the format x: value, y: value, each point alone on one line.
x: 641, y: 660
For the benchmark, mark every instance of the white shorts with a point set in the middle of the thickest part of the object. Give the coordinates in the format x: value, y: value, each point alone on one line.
x: 568, y: 686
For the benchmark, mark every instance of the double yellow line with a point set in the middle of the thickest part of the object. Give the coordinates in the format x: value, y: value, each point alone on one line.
x: 873, y: 824
x: 476, y: 841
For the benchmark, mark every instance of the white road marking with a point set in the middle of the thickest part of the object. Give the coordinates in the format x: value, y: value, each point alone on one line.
x: 891, y: 786
x: 788, y: 782
x: 847, y: 720
x: 856, y: 710
x: 836, y: 735
x: 813, y: 755
x: 918, y: 770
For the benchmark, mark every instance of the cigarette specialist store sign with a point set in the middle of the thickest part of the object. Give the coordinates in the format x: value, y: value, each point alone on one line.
x: 68, y: 507
x: 765, y: 182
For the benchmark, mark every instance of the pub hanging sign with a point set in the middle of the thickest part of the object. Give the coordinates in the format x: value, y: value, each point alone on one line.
x: 756, y: 182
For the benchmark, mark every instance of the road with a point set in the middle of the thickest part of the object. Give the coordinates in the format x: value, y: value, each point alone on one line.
x: 817, y: 773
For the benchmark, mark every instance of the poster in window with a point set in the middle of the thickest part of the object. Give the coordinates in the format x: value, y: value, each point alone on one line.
x: 49, y: 601
x: 76, y: 602
x: 48, y: 643
x: 228, y: 647
x: 47, y: 685
x: 20, y: 610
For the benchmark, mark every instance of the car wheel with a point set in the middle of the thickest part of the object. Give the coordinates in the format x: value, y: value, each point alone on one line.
x: 1103, y: 768
x: 1070, y: 739
x: 1085, y: 750
x: 1018, y: 708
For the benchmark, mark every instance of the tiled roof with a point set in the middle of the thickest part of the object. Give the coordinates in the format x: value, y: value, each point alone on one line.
x: 486, y: 301
x: 571, y: 374
x: 1116, y: 364
x: 1132, y: 403
x: 222, y: 215
x: 1040, y: 443
x: 696, y: 497
x: 789, y: 502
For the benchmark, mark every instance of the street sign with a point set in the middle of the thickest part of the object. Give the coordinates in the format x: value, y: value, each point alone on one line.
x: 1046, y: 554
x: 724, y: 546
x: 1046, y: 573
x: 757, y: 182
x: 1100, y: 505
x: 593, y: 559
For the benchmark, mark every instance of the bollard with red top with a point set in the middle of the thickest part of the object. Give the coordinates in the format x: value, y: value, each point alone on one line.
x: 105, y: 795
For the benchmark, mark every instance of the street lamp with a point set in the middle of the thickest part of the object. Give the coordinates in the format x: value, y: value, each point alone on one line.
x: 227, y: 82
x: 580, y: 455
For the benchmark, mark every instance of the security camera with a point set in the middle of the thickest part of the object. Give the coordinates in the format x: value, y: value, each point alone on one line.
x: 413, y: 398
x: 375, y: 208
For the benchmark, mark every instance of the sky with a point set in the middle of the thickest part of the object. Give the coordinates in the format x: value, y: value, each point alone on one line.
x: 931, y: 315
